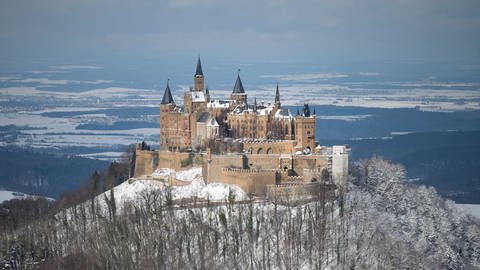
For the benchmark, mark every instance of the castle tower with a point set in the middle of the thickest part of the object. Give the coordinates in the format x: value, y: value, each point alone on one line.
x: 277, y: 97
x: 276, y: 105
x: 305, y: 130
x: 238, y: 95
x: 167, y: 96
x: 166, y: 108
x: 198, y: 77
x: 207, y: 94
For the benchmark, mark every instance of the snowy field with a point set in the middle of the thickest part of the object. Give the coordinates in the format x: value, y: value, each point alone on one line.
x: 6, y: 195
x: 56, y: 107
x: 474, y: 209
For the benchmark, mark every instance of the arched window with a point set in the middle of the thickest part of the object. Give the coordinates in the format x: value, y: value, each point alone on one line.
x: 269, y: 151
x: 260, y: 151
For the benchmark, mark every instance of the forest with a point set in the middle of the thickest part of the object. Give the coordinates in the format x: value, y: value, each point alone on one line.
x: 379, y: 221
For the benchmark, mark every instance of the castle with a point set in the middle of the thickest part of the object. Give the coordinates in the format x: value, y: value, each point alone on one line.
x: 260, y: 147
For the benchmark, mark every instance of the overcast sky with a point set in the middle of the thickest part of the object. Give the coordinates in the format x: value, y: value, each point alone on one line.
x: 254, y: 30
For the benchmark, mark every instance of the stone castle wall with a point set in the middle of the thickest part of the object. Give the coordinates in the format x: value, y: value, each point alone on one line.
x: 171, y: 159
x: 146, y: 162
x: 292, y: 191
x: 269, y: 147
x: 251, y: 181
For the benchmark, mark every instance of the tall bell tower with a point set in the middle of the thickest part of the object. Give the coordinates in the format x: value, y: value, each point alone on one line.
x: 198, y: 77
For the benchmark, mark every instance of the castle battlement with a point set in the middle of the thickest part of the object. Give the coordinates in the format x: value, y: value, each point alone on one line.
x: 249, y: 170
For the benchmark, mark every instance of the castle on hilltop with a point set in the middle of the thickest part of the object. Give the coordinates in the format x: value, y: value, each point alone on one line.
x: 202, y: 118
x: 260, y: 147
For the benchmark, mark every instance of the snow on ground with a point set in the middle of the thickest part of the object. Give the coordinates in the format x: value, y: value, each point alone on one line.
x: 162, y: 172
x: 6, y: 195
x: 474, y: 209
x: 190, y: 175
x: 218, y: 192
x: 108, y: 156
x: 134, y: 190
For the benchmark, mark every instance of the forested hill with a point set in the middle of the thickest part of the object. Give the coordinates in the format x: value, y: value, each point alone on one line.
x: 36, y: 172
x: 380, y: 221
x: 448, y: 161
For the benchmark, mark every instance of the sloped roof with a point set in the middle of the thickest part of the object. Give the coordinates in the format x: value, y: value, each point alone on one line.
x: 199, y: 71
x: 203, y: 117
x: 238, y: 88
x: 197, y: 96
x: 283, y: 114
x: 306, y: 110
x: 167, y: 96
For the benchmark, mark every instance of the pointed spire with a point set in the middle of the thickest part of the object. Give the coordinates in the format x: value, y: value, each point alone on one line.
x: 277, y: 96
x: 306, y: 110
x: 238, y: 88
x: 314, y: 112
x: 207, y: 91
x: 167, y: 96
x: 198, y: 71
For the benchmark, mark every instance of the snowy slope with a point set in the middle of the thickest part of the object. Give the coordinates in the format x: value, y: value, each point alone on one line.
x: 137, y: 190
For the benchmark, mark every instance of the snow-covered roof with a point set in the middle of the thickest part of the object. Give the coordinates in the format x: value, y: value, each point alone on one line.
x: 264, y: 110
x: 198, y: 96
x: 261, y: 109
x: 218, y: 104
x: 283, y: 114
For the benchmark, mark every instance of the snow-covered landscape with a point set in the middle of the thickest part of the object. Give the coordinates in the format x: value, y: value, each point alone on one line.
x: 353, y: 128
x: 380, y: 220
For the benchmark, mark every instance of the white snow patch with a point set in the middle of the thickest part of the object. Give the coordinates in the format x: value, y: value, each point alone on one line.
x: 134, y: 190
x: 6, y: 195
x: 190, y: 175
x: 474, y: 209
x: 162, y: 172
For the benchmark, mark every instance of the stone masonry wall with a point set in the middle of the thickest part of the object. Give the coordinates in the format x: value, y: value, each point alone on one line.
x: 146, y: 162
x: 251, y: 181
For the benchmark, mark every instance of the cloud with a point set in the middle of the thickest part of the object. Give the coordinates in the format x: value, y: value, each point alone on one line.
x: 306, y: 77
x: 69, y: 67
x: 48, y: 81
x: 46, y: 71
x: 368, y: 73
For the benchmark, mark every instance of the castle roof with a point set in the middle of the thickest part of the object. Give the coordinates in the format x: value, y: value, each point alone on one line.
x: 238, y: 88
x: 203, y: 117
x: 219, y: 104
x: 306, y: 110
x: 197, y: 96
x: 198, y: 71
x: 167, y: 96
x: 283, y: 114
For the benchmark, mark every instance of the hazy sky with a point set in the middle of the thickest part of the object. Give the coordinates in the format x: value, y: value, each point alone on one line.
x: 254, y: 30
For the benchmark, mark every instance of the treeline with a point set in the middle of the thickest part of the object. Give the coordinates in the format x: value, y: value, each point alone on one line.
x: 46, y: 174
x: 17, y: 213
x: 378, y: 222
